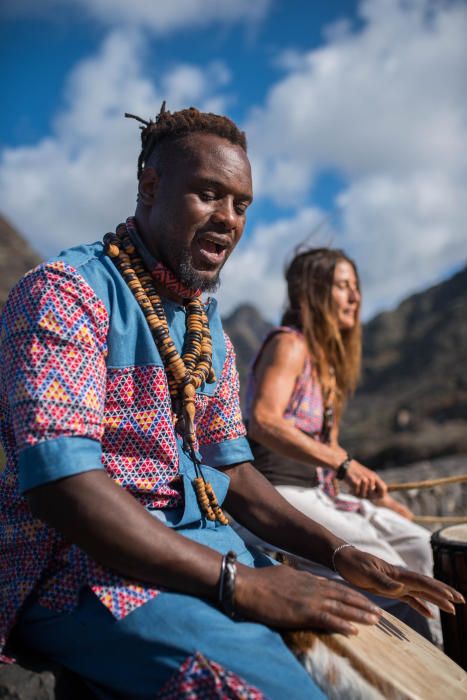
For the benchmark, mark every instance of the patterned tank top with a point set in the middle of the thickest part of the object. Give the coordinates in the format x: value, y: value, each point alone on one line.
x: 306, y: 410
x: 305, y: 407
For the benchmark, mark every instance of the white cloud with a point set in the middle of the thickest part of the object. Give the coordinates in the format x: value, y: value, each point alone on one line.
x: 388, y: 97
x: 254, y: 273
x: 164, y: 17
x: 158, y: 17
x: 386, y: 106
x: 73, y: 186
x: 404, y: 232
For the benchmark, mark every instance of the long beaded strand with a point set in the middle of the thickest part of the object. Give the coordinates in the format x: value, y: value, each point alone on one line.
x: 185, y: 373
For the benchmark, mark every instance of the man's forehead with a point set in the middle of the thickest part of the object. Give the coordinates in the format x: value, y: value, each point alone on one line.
x: 200, y: 146
x: 213, y: 157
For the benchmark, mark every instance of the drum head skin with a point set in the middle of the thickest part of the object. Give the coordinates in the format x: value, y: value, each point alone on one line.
x: 454, y: 533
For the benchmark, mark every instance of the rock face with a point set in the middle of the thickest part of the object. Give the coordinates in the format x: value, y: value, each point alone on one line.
x: 246, y: 329
x: 412, y: 401
x: 35, y: 680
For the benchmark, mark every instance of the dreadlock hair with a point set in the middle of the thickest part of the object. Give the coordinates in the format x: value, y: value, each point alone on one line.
x: 169, y: 126
x: 310, y: 308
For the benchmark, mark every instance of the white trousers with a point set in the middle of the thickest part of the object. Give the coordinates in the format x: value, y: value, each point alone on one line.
x: 375, y: 530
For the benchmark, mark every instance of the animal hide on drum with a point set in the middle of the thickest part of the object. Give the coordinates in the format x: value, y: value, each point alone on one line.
x: 334, y: 673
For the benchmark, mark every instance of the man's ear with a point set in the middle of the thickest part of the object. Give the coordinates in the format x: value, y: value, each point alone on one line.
x: 147, y: 186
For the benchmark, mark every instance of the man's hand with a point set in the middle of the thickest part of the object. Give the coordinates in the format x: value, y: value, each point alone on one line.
x: 391, y: 503
x: 364, y: 482
x: 283, y: 597
x: 377, y: 576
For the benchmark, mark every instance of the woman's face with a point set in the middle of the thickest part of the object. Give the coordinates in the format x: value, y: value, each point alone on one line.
x: 345, y: 295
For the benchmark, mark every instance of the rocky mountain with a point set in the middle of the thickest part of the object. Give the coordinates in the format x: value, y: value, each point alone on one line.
x: 16, y: 258
x: 412, y: 400
x: 246, y: 328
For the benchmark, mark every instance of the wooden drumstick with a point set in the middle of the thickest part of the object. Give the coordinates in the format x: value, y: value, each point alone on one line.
x: 427, y: 483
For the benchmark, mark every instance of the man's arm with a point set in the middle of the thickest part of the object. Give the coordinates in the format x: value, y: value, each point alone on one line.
x: 255, y: 503
x: 90, y: 510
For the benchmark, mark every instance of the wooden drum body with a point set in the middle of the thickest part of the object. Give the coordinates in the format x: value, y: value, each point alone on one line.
x: 387, y: 661
x: 450, y: 565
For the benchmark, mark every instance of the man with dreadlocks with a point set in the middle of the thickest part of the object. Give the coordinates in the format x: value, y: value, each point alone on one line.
x: 123, y: 435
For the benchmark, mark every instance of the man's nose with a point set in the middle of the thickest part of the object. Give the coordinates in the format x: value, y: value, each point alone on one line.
x: 225, y: 213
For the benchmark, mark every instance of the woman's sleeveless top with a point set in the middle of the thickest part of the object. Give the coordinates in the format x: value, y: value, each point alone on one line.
x: 305, y: 409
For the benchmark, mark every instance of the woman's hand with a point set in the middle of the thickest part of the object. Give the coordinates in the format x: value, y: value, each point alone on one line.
x: 283, y: 597
x: 391, y: 503
x: 364, y: 482
x: 377, y: 576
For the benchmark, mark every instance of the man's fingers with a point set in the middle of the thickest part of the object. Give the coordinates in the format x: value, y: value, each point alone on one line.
x: 418, y: 605
x: 350, y: 612
x: 436, y: 599
x: 386, y: 585
x: 429, y: 588
x: 332, y: 623
x: 337, y: 593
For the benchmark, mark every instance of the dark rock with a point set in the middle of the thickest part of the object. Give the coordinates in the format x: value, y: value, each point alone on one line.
x: 16, y: 258
x: 35, y: 678
x: 246, y: 328
x: 18, y: 683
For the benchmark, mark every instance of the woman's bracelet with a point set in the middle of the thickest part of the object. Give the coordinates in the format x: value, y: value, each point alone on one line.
x: 336, y: 551
x: 343, y: 468
x: 227, y: 583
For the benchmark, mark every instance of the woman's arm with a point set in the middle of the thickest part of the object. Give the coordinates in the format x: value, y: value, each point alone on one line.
x: 276, y: 372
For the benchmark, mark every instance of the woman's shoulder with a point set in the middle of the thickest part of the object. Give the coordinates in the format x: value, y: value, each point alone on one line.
x: 286, y: 340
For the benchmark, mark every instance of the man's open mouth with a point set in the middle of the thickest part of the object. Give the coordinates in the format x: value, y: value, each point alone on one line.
x: 213, y: 248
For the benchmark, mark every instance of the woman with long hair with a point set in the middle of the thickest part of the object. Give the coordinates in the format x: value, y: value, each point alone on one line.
x: 300, y: 380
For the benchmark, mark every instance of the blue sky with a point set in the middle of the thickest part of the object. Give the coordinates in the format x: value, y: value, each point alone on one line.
x: 356, y: 114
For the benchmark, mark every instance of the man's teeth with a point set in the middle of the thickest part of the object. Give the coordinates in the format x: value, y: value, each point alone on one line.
x: 211, y: 246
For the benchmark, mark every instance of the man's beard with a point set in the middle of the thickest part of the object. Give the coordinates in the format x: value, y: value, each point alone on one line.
x: 182, y: 267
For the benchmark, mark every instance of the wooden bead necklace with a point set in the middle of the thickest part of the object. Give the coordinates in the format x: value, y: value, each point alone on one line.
x: 186, y: 372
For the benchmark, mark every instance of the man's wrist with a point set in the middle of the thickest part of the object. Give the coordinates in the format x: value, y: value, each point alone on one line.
x: 226, y: 589
x: 335, y: 553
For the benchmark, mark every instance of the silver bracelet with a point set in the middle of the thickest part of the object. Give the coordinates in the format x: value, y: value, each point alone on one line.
x: 336, y: 551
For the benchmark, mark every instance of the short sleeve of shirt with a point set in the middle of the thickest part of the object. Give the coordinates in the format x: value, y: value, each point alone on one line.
x: 52, y: 353
x: 221, y: 432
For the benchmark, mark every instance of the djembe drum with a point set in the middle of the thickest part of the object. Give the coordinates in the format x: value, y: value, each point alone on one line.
x: 450, y: 565
x: 387, y: 661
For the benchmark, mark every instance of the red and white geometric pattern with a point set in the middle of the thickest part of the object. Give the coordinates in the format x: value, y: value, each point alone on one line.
x: 139, y: 448
x: 221, y: 418
x: 201, y: 679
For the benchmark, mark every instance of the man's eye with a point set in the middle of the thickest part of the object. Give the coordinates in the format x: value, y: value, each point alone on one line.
x: 207, y: 195
x: 241, y: 207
